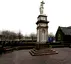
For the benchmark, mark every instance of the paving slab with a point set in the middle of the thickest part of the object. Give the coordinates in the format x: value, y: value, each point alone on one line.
x: 24, y: 57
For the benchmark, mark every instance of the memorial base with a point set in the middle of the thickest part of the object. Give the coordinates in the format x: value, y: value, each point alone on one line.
x: 42, y: 49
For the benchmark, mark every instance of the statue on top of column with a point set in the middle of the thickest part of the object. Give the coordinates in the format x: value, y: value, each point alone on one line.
x: 41, y: 7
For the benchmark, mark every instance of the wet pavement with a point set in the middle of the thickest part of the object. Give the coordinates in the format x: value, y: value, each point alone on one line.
x: 24, y: 57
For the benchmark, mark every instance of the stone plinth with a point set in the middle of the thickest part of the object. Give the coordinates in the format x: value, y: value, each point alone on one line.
x: 42, y: 50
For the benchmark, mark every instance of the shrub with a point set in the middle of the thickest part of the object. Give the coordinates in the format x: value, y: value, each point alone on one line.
x: 50, y: 46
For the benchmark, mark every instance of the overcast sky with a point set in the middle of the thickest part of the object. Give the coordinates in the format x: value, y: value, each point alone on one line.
x: 22, y: 15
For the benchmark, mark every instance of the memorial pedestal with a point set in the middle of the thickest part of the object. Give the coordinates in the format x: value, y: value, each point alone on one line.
x: 42, y: 49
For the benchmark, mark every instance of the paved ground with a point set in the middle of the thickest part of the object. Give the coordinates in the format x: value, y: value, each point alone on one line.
x: 23, y: 57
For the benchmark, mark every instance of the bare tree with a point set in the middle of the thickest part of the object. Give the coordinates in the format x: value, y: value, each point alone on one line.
x: 9, y: 35
x: 33, y: 36
x: 50, y: 35
x: 20, y: 35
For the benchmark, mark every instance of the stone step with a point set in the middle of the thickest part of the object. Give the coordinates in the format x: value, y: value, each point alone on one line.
x: 31, y: 53
x: 42, y: 52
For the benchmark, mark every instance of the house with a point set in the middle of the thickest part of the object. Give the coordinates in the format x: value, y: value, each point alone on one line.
x: 63, y: 34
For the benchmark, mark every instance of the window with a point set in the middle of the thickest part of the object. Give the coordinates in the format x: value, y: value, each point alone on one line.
x: 59, y: 36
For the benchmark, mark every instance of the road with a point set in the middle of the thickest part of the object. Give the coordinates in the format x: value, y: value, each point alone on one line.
x: 24, y: 57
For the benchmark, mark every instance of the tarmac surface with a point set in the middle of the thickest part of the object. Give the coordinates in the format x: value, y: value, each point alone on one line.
x: 24, y: 57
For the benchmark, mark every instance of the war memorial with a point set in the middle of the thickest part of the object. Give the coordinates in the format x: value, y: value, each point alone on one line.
x: 42, y: 35
x: 41, y: 53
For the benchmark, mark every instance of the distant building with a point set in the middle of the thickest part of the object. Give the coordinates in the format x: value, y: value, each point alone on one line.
x: 63, y: 34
